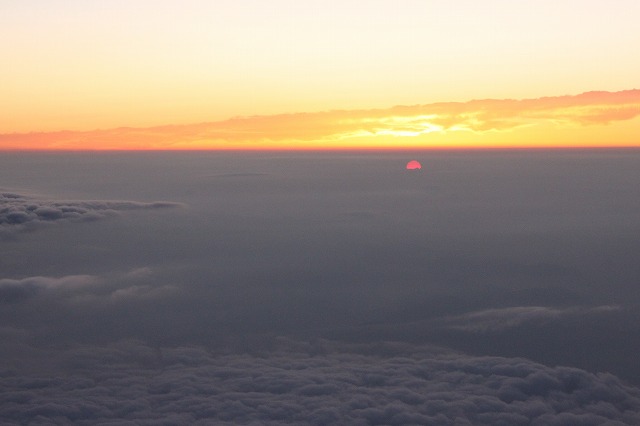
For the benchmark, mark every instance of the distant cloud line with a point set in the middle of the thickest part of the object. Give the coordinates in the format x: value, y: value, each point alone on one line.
x: 84, y: 289
x: 492, y: 320
x: 347, y: 126
x: 19, y: 212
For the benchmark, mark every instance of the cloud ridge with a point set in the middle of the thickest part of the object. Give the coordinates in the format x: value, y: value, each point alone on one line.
x: 314, y: 383
x: 19, y: 212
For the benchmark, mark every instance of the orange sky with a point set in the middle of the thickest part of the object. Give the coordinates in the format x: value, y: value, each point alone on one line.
x: 318, y: 74
x: 589, y: 119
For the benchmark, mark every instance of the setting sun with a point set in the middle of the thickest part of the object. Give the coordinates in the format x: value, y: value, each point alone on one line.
x: 414, y: 165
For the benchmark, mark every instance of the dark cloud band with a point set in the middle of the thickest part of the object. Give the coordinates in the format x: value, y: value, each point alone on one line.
x: 18, y: 211
x: 319, y: 383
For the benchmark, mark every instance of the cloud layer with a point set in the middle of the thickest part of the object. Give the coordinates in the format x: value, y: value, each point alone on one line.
x: 525, y: 261
x: 19, y: 212
x: 12, y: 291
x: 492, y: 320
x: 90, y: 290
x: 352, y: 127
x: 317, y: 383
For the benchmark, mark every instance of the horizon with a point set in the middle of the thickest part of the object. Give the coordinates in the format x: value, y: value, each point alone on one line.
x: 590, y: 119
x: 299, y: 74
x: 337, y: 212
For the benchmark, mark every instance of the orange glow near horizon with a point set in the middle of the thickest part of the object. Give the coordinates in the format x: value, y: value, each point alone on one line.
x: 593, y: 119
x: 169, y: 74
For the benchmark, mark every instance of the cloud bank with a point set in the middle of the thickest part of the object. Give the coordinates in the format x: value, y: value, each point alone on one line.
x: 12, y: 290
x: 524, y: 261
x: 19, y: 212
x: 90, y: 290
x: 351, y: 127
x: 492, y: 320
x: 319, y: 383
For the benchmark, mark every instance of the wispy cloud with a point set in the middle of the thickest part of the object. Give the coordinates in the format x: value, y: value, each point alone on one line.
x: 19, y: 212
x: 137, y: 284
x: 493, y: 320
x: 346, y: 127
x: 12, y: 290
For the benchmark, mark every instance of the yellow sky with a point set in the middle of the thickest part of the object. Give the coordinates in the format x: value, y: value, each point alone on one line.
x: 82, y: 65
x: 588, y: 119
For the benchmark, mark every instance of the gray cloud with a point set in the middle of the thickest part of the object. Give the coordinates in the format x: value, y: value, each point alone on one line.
x: 12, y: 290
x: 493, y: 320
x: 312, y: 383
x: 500, y: 255
x: 118, y: 287
x: 19, y: 212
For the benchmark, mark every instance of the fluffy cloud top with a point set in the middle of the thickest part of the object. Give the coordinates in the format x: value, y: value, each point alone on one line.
x: 119, y: 287
x: 18, y: 212
x: 321, y: 383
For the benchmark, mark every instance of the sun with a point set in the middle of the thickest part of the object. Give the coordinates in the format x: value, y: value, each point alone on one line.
x: 414, y: 165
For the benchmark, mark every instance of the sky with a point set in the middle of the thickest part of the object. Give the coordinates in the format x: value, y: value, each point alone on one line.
x: 93, y: 67
x: 206, y: 215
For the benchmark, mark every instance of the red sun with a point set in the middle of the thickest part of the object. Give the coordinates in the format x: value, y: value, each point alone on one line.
x: 414, y: 165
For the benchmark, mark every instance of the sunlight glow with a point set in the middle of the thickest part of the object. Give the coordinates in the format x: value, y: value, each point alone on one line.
x: 169, y: 74
x: 589, y: 119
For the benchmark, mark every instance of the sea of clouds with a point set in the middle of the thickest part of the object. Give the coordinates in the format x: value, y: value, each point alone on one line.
x: 319, y: 383
x: 495, y: 289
